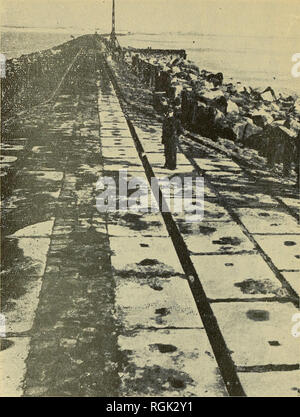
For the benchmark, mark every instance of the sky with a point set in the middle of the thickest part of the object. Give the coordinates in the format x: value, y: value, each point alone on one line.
x: 275, y: 18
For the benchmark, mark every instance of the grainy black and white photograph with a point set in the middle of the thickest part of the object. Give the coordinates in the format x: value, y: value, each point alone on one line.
x: 150, y: 239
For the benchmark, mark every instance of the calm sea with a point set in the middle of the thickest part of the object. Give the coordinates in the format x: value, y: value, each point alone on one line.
x: 255, y: 61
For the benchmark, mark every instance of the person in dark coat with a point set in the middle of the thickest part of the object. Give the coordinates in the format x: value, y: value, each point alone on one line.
x: 170, y: 133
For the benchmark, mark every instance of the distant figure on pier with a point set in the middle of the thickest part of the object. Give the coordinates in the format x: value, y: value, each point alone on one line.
x: 170, y: 133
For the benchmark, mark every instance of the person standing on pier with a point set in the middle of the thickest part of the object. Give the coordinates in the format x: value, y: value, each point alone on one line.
x: 170, y: 133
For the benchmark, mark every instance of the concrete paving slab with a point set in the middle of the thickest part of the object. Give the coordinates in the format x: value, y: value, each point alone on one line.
x: 214, y: 211
x: 20, y: 312
x: 271, y: 384
x: 183, y: 170
x: 130, y: 163
x: 211, y: 237
x: 149, y: 301
x: 42, y: 229
x: 224, y: 165
x: 5, y: 159
x: 259, y: 220
x: 237, y: 277
x: 114, y: 168
x: 119, y: 152
x: 31, y: 257
x: 293, y: 278
x: 135, y: 224
x: 149, y: 146
x: 162, y: 363
x: 158, y: 159
x: 283, y: 250
x: 13, y: 354
x: 239, y: 177
x: 233, y: 182
x: 137, y: 250
x: 291, y: 202
x: 258, y: 333
x: 47, y: 175
x: 248, y: 197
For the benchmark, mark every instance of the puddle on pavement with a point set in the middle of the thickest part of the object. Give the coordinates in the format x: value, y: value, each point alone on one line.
x: 188, y: 228
x: 162, y: 311
x: 233, y: 241
x: 156, y: 379
x: 163, y: 348
x: 258, y: 315
x: 290, y: 243
x: 251, y: 286
x: 147, y: 268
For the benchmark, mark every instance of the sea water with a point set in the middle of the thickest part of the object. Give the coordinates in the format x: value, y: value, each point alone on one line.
x: 255, y: 61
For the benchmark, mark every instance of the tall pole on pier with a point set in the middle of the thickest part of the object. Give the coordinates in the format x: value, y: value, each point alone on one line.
x: 113, y: 29
x: 113, y: 19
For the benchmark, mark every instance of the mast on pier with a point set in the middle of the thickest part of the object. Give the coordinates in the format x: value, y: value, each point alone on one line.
x: 113, y: 37
x: 114, y: 43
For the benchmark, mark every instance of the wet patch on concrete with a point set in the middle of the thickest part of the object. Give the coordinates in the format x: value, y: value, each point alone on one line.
x: 135, y: 221
x: 273, y: 383
x: 274, y: 343
x: 290, y: 243
x: 284, y: 256
x: 258, y: 315
x: 195, y: 228
x: 23, y: 261
x: 147, y: 268
x: 162, y: 348
x: 163, y: 363
x: 156, y: 379
x: 266, y: 286
x: 237, y: 276
x: 258, y: 323
x: 232, y: 241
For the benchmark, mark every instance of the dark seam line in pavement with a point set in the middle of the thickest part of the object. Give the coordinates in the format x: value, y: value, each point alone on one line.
x: 27, y: 333
x: 251, y: 300
x: 245, y: 166
x: 220, y: 349
x: 236, y: 218
x: 276, y: 234
x: 289, y: 270
x: 166, y: 328
x: 217, y: 221
x: 33, y: 237
x: 269, y: 368
x: 241, y: 252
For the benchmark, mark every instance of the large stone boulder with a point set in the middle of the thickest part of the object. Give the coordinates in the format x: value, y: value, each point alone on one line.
x: 261, y: 118
x: 244, y: 129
